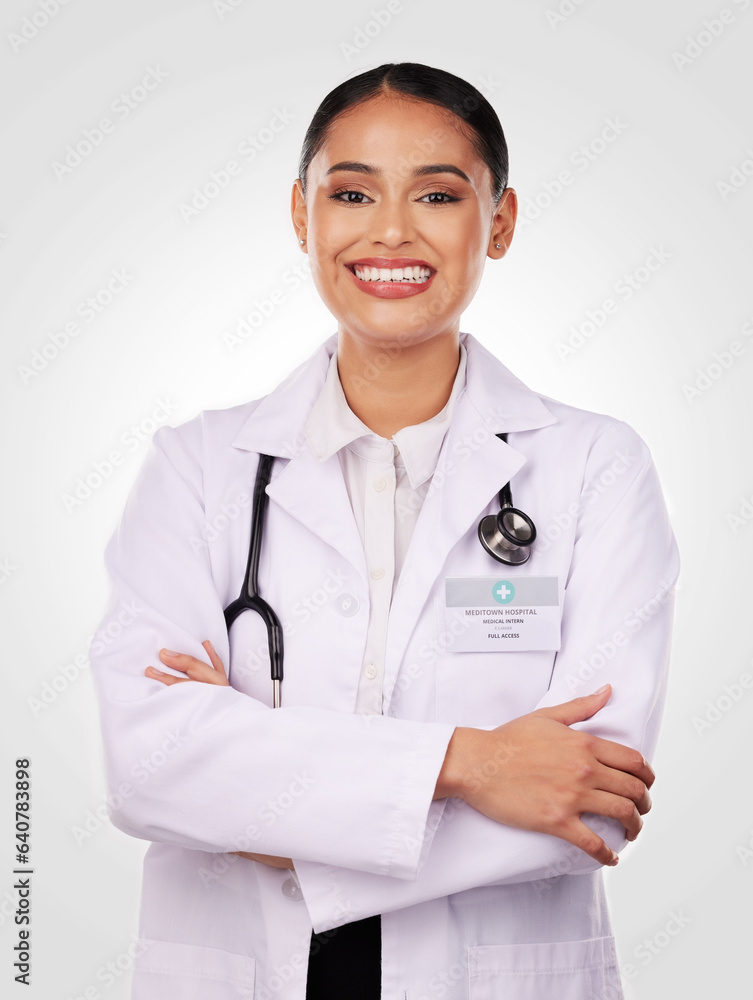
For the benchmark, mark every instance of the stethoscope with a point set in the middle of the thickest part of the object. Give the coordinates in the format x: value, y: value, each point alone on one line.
x: 506, y: 535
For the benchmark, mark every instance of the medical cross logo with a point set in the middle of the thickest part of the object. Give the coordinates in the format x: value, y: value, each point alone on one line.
x: 503, y: 591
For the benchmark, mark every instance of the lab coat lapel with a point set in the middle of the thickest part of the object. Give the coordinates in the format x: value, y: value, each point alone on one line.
x: 473, y: 466
x: 312, y: 492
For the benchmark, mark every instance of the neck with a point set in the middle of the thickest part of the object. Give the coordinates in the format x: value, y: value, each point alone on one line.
x: 391, y: 386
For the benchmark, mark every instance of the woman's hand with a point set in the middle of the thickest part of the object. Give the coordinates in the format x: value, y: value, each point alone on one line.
x: 536, y: 773
x: 266, y: 859
x: 197, y: 670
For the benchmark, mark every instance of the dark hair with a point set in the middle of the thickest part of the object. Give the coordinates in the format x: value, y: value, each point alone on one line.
x: 423, y: 83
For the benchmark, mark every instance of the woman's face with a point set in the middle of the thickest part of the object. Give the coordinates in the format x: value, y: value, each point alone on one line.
x: 396, y: 186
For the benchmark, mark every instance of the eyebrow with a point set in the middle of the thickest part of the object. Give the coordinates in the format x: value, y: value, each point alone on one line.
x: 429, y: 168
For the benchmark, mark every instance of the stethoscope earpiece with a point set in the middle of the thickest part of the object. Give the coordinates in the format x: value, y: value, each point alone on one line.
x: 507, y: 535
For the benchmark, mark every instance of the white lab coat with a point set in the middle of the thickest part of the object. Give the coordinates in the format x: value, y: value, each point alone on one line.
x: 470, y: 908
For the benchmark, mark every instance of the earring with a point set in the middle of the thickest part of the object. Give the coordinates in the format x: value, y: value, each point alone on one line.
x: 497, y: 245
x: 301, y: 241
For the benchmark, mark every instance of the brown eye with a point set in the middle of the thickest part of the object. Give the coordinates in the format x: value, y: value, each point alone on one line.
x: 350, y: 197
x: 439, y: 198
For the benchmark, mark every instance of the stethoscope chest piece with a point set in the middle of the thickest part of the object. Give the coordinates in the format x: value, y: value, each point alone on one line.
x: 508, y: 535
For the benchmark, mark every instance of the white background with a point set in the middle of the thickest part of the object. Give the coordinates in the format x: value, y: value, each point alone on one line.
x: 555, y: 80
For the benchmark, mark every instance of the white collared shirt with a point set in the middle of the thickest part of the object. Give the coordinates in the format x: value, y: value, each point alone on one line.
x: 386, y: 481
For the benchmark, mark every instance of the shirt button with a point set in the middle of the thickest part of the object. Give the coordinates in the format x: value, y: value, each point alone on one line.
x: 370, y: 671
x: 377, y: 574
x: 291, y: 890
x: 379, y: 484
x: 346, y: 604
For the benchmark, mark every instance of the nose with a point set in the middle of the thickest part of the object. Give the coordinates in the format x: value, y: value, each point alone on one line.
x: 391, y: 223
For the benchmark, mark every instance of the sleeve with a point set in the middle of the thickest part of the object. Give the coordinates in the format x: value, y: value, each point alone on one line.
x: 616, y: 626
x: 207, y: 767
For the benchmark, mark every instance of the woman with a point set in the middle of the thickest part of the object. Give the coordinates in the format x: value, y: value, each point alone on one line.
x: 428, y: 811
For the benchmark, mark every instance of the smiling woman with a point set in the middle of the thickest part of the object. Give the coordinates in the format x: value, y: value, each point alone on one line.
x: 428, y: 807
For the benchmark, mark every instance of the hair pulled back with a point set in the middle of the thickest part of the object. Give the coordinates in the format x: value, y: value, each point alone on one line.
x: 423, y: 83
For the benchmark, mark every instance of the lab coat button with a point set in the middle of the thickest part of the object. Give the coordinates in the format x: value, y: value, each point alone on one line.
x: 291, y: 889
x: 377, y: 574
x: 347, y: 604
x: 370, y: 671
x: 379, y: 484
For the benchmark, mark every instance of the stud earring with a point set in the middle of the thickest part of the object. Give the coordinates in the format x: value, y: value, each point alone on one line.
x: 301, y: 241
x: 498, y: 246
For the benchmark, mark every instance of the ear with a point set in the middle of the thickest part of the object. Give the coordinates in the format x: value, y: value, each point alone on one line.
x: 503, y: 224
x: 299, y: 213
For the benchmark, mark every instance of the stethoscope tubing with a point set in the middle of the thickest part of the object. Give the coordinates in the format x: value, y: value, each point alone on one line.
x: 497, y: 540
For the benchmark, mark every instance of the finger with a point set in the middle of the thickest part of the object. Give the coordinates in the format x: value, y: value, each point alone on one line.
x: 622, y: 758
x: 216, y: 661
x: 177, y: 661
x: 609, y: 779
x: 196, y: 669
x: 578, y: 709
x: 581, y: 836
x: 160, y: 675
x: 615, y: 807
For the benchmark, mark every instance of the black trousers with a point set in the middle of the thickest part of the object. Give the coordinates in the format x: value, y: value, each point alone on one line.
x: 346, y: 962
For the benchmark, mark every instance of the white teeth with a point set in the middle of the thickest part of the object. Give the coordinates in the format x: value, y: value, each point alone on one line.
x: 415, y: 274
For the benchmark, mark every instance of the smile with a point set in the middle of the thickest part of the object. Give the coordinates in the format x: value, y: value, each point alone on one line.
x: 391, y: 278
x: 413, y: 274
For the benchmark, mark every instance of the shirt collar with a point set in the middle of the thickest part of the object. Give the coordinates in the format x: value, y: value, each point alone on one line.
x: 332, y: 425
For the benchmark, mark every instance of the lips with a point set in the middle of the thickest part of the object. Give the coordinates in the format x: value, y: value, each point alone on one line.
x: 391, y: 277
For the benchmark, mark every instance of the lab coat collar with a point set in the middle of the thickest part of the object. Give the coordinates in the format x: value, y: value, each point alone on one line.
x: 276, y: 426
x: 472, y: 467
x: 332, y: 425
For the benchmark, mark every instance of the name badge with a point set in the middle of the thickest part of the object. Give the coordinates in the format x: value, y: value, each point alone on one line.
x: 485, y: 613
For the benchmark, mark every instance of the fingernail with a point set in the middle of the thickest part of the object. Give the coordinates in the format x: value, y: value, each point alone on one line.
x: 614, y: 861
x: 601, y: 690
x: 169, y: 652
